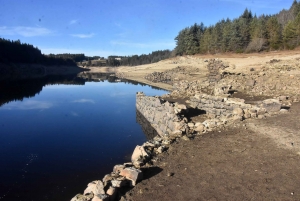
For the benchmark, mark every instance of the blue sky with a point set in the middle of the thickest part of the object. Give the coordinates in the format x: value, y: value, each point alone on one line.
x: 116, y: 27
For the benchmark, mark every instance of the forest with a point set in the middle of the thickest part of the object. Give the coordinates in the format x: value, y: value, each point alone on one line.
x: 247, y: 33
x: 17, y: 52
x: 136, y: 60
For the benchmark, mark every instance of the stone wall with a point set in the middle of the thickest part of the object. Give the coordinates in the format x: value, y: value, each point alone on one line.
x: 233, y: 108
x: 214, y: 66
x: 163, y: 116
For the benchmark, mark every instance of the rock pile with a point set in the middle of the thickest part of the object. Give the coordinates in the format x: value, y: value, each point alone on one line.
x: 159, y: 77
x: 185, y: 88
x: 214, y: 66
x: 169, y: 76
x: 125, y: 175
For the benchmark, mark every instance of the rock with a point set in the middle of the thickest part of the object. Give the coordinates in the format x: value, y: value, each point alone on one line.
x: 132, y: 174
x: 117, y: 168
x: 112, y: 192
x: 284, y: 110
x: 101, y: 197
x: 119, y: 182
x: 160, y: 149
x: 185, y: 138
x: 139, y: 154
x: 238, y: 111
x: 107, y: 179
x: 271, y: 105
x: 250, y: 83
x: 282, y: 98
x: 80, y: 197
x: 199, y: 127
x: 96, y: 187
x: 191, y: 125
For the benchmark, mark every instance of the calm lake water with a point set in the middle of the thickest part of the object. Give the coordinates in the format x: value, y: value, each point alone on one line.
x: 56, y: 138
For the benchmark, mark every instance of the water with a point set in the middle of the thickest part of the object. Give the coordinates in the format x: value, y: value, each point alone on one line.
x: 57, y: 138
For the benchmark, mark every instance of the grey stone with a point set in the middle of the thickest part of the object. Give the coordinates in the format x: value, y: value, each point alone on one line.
x: 132, y: 174
x: 271, y: 105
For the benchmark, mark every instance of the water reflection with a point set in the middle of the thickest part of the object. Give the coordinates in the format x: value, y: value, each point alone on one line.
x: 65, y: 136
x: 17, y: 90
x: 147, y: 129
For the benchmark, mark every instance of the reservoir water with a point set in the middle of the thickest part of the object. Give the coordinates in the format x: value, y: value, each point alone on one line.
x: 57, y: 134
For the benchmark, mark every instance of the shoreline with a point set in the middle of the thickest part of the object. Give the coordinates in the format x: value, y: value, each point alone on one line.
x: 246, y: 74
x: 18, y: 71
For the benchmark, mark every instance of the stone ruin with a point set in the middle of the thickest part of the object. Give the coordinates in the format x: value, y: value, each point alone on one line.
x: 164, y: 122
x: 214, y: 66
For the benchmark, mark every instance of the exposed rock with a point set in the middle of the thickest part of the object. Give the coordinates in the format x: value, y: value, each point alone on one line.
x: 132, y: 174
x: 101, y: 197
x: 95, y: 187
x: 119, y: 182
x: 80, y: 197
x: 112, y: 192
x: 139, y: 154
x: 117, y: 168
x: 238, y: 111
x: 271, y: 105
x: 250, y: 83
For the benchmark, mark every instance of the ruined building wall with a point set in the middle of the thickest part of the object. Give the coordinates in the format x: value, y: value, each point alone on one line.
x: 163, y: 116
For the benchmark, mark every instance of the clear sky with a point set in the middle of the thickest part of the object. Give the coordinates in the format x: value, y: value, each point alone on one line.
x: 116, y: 27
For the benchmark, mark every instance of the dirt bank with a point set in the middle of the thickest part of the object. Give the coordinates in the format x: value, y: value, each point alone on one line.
x: 243, y: 162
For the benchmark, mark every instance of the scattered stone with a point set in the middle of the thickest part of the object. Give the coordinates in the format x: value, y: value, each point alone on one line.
x: 95, y: 187
x: 250, y: 83
x: 139, y: 155
x: 112, y: 192
x: 132, y: 174
x: 117, y: 168
x: 271, y: 105
x: 80, y: 197
x: 101, y: 197
x: 120, y: 182
x: 185, y: 138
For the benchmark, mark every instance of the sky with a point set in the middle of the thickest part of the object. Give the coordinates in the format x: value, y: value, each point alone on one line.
x: 116, y: 27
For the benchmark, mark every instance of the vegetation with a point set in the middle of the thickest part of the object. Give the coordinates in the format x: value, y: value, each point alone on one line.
x: 135, y: 60
x: 247, y: 33
x: 17, y: 52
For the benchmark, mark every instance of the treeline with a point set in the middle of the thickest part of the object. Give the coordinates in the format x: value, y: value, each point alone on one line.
x: 136, y: 60
x: 75, y: 57
x: 17, y: 52
x: 247, y: 33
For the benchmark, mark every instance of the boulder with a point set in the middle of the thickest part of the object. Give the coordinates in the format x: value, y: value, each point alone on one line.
x: 238, y: 111
x: 271, y: 105
x: 101, y: 197
x: 107, y: 179
x: 132, y: 174
x: 112, y: 192
x: 199, y: 127
x: 96, y: 187
x: 117, y: 168
x: 139, y: 154
x: 119, y: 182
x: 80, y: 197
x: 250, y: 83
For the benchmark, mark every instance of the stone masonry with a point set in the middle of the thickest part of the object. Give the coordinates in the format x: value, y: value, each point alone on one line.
x: 163, y: 116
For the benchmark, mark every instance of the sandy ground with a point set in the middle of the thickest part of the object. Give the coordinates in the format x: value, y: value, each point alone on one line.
x: 237, y: 62
x: 250, y: 160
